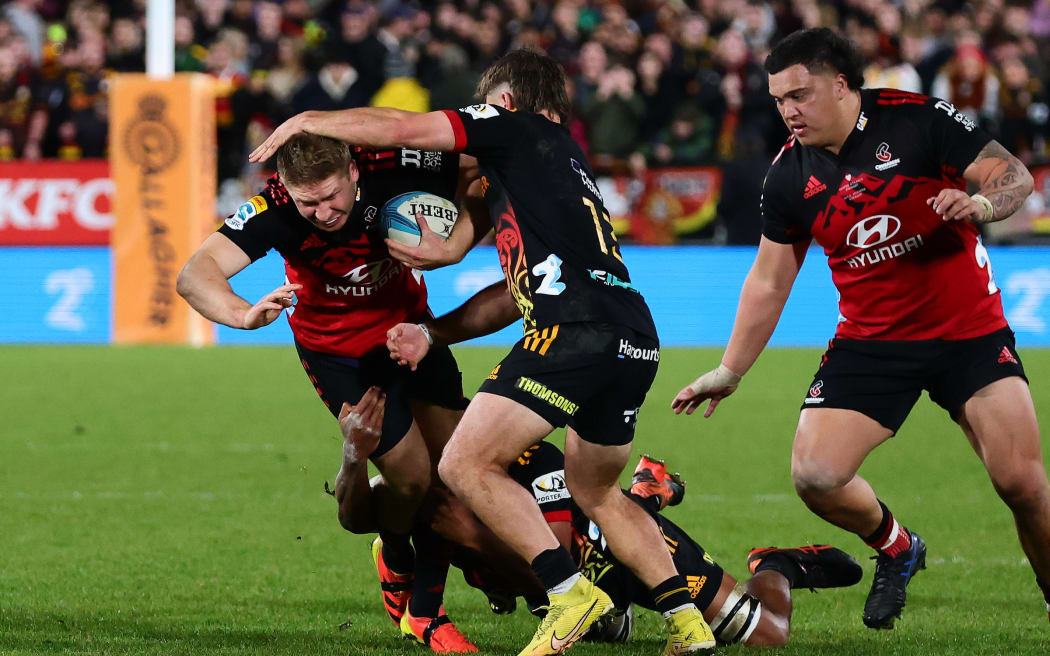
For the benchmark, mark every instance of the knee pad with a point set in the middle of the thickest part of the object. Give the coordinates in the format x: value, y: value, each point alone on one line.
x: 738, y: 617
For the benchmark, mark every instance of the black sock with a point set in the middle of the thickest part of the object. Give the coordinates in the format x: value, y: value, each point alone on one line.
x: 1045, y: 588
x: 553, y: 566
x: 397, y: 552
x: 671, y: 594
x: 879, y: 533
x: 428, y: 588
x: 784, y: 566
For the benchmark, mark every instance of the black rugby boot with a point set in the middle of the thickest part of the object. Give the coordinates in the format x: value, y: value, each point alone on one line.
x: 819, y: 565
x: 888, y: 588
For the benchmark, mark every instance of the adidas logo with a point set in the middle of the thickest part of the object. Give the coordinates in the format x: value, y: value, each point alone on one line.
x: 695, y: 585
x: 813, y: 187
x: 1006, y: 356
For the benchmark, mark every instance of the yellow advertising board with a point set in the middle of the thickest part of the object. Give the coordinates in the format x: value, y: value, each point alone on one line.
x: 162, y: 161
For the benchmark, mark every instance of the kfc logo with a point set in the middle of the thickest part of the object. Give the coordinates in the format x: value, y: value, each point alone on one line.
x: 55, y: 203
x: 873, y: 231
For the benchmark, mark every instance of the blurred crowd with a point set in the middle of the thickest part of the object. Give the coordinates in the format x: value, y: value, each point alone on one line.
x: 653, y: 82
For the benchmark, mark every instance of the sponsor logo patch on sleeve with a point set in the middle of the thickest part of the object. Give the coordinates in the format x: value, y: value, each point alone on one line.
x: 246, y: 211
x: 481, y: 111
x: 550, y: 487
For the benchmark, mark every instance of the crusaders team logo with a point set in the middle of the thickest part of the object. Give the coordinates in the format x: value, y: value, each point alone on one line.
x: 817, y: 387
x: 883, y: 153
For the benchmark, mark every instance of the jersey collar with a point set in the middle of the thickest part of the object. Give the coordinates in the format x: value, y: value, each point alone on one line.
x: 862, y: 126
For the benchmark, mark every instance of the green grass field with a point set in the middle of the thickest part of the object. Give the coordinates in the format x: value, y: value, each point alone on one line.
x: 169, y: 501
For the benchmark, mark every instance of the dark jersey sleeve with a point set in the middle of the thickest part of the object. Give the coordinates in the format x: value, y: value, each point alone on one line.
x: 954, y: 139
x: 484, y: 130
x: 541, y: 470
x: 780, y: 222
x: 256, y: 227
x: 258, y: 224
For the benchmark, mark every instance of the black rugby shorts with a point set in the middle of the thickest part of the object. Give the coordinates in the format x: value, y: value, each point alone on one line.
x: 589, y: 376
x: 338, y: 379
x: 883, y: 379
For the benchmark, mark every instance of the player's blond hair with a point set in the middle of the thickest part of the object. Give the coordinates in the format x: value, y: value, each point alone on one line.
x: 307, y: 158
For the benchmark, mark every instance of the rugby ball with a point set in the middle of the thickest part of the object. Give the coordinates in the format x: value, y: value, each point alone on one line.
x: 398, y: 216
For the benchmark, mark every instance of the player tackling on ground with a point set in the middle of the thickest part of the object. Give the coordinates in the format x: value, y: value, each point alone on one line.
x: 756, y: 612
x: 878, y: 177
x: 590, y: 349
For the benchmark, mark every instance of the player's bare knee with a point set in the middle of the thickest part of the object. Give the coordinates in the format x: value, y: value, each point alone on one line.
x: 353, y: 524
x: 1023, y: 489
x: 815, y: 481
x: 594, y: 499
x: 458, y: 470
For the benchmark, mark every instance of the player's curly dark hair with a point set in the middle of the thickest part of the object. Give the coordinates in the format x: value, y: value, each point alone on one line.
x: 821, y: 51
x: 307, y: 158
x: 536, y: 81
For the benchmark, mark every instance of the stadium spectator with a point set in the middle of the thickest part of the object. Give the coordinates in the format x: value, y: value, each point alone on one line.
x: 612, y: 116
x: 970, y: 84
x: 735, y: 93
x: 1023, y: 102
x: 659, y: 92
x: 592, y: 64
x: 337, y: 85
x: 189, y: 56
x: 687, y: 141
x: 23, y: 117
x: 87, y: 100
x: 268, y: 24
x: 361, y: 46
x: 23, y: 16
x: 211, y: 15
x: 126, y: 50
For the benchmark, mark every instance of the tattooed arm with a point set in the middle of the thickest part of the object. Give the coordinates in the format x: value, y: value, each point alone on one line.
x: 1001, y: 178
x: 1002, y: 183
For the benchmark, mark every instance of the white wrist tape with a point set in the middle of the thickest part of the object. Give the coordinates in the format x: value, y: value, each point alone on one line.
x: 986, y: 206
x: 718, y: 378
x: 426, y: 333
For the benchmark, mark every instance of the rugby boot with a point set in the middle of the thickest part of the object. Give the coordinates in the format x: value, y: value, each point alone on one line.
x: 396, y: 588
x: 616, y: 626
x: 569, y: 615
x: 822, y: 565
x: 651, y: 479
x: 888, y: 588
x: 687, y: 632
x: 438, y: 633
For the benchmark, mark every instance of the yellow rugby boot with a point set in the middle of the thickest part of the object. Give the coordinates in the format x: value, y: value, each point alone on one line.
x: 569, y: 615
x: 687, y: 632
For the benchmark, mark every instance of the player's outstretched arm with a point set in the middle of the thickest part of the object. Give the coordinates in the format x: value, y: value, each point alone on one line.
x: 762, y: 298
x: 204, y: 283
x: 372, y: 127
x: 482, y: 314
x: 362, y: 426
x: 1003, y: 183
